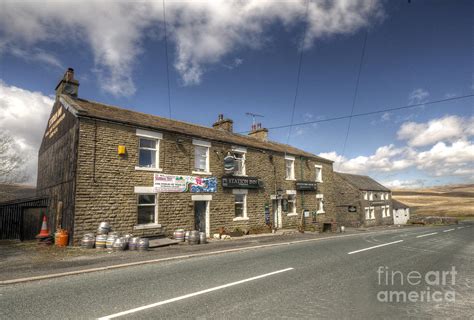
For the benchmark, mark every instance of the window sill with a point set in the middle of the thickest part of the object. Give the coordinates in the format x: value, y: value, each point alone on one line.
x: 148, y: 169
x: 319, y: 181
x: 202, y: 173
x: 241, y: 219
x: 292, y: 215
x: 147, y: 226
x: 290, y: 179
x: 319, y: 212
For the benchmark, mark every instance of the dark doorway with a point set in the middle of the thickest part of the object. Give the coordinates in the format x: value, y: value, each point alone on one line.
x: 31, y: 222
x: 326, y: 227
x: 200, y: 208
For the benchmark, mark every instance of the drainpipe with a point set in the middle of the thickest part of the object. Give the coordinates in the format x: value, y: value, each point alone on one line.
x: 302, y: 197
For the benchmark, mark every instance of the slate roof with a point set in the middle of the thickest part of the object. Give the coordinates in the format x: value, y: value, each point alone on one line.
x: 398, y: 205
x: 362, y: 182
x: 86, y: 108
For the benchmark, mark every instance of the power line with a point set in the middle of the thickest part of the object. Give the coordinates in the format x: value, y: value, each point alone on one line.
x: 167, y: 63
x: 299, y: 70
x: 356, y: 90
x: 370, y: 112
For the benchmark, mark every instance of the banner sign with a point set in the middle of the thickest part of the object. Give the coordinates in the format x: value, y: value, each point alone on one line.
x: 306, y: 186
x: 204, y: 184
x: 241, y: 182
x: 177, y: 183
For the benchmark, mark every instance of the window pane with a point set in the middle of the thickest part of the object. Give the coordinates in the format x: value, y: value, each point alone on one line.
x: 200, y: 158
x: 146, y: 214
x: 147, y: 158
x: 239, y: 205
x: 146, y: 199
x: 147, y: 143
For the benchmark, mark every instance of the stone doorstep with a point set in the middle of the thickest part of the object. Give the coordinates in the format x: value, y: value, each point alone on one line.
x: 163, y: 242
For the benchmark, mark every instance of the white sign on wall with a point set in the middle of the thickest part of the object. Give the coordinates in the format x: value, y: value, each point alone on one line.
x: 170, y: 183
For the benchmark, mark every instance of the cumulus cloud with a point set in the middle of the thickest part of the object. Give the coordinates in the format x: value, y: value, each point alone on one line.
x: 450, y: 152
x: 203, y: 32
x: 404, y: 184
x: 23, y: 116
x: 447, y: 128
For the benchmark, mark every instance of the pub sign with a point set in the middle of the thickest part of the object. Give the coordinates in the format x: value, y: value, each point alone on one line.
x: 241, y: 182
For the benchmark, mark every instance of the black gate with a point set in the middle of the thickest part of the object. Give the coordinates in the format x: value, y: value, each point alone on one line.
x: 19, y: 218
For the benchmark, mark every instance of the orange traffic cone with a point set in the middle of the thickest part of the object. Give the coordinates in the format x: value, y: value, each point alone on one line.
x: 44, y: 229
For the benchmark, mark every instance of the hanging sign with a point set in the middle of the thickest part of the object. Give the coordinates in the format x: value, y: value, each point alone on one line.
x: 241, y: 182
x: 229, y: 163
x: 306, y: 186
x: 352, y: 209
x: 178, y: 183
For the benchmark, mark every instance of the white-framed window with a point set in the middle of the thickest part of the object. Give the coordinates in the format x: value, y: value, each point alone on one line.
x: 371, y: 196
x: 372, y: 213
x: 319, y: 173
x: 366, y: 195
x: 291, y: 202
x: 387, y: 211
x: 147, y: 209
x: 240, y: 204
x: 201, y: 156
x: 290, y: 167
x: 383, y: 211
x: 239, y: 155
x: 148, y: 150
x: 367, y: 213
x: 320, y: 203
x: 387, y: 195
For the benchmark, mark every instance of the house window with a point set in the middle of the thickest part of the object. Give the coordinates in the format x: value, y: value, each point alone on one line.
x: 319, y: 173
x: 290, y: 167
x: 366, y: 195
x: 240, y: 205
x: 372, y: 213
x: 239, y: 155
x: 148, y: 149
x: 371, y: 196
x: 320, y: 201
x: 201, y: 157
x: 386, y: 196
x: 383, y: 212
x: 292, y: 204
x: 387, y: 211
x: 147, y: 209
x: 367, y: 213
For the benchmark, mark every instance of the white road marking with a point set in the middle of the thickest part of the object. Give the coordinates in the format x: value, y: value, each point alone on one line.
x: 426, y: 234
x: 448, y: 230
x: 123, y: 313
x: 378, y: 246
x: 460, y: 227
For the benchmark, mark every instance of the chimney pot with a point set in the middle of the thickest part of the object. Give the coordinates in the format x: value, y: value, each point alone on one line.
x: 223, y: 124
x: 68, y: 85
x: 258, y: 132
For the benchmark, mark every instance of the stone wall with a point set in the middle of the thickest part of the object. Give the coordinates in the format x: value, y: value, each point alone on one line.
x: 106, y: 181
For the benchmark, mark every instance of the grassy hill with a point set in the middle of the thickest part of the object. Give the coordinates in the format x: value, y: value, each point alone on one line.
x: 450, y: 200
x: 15, y: 191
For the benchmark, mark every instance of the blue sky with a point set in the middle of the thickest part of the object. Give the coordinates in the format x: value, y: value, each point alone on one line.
x: 238, y: 57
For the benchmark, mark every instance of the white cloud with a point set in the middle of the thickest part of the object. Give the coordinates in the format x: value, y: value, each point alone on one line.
x: 203, y: 32
x: 404, y: 184
x: 418, y: 96
x: 23, y: 115
x: 448, y: 128
x: 37, y: 55
x: 451, y: 154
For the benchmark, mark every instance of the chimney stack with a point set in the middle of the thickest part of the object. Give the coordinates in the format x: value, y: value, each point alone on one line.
x: 223, y: 124
x: 258, y: 132
x: 68, y: 85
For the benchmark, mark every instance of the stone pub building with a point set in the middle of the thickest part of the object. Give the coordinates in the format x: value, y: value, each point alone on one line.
x: 149, y: 175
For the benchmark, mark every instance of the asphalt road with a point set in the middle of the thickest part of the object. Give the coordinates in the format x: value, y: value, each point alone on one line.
x: 335, y: 278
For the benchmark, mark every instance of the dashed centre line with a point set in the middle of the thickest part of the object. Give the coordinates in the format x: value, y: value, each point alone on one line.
x: 123, y: 313
x: 460, y: 227
x: 427, y: 234
x: 377, y: 246
x: 448, y: 230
